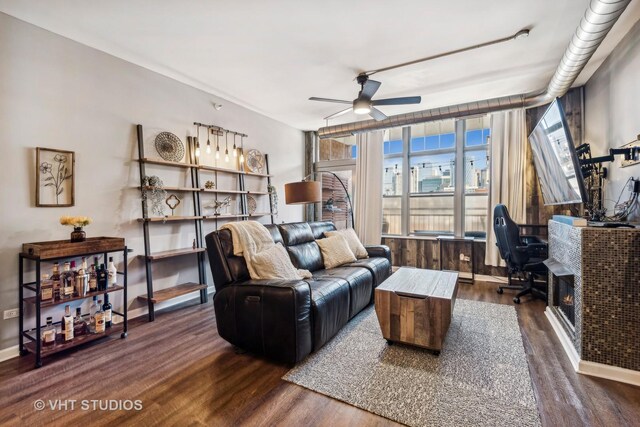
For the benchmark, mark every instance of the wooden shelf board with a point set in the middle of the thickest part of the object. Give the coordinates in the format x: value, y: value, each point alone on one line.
x: 184, y: 189
x: 173, y: 253
x: 83, y: 339
x: 225, y: 191
x: 168, y: 163
x: 224, y: 170
x: 260, y: 214
x: 169, y: 218
x: 32, y: 300
x: 259, y: 193
x: 226, y: 216
x: 262, y: 175
x: 173, y: 292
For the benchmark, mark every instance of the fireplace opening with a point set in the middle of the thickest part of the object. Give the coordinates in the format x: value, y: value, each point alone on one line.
x: 564, y: 298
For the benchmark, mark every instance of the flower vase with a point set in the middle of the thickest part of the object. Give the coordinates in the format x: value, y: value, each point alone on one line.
x: 78, y: 235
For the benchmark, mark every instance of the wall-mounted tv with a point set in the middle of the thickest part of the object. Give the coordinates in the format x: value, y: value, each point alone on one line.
x: 556, y: 160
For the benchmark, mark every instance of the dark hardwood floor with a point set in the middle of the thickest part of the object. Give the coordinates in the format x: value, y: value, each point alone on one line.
x: 185, y: 374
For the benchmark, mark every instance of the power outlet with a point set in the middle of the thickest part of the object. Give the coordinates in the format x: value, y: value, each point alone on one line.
x: 10, y: 314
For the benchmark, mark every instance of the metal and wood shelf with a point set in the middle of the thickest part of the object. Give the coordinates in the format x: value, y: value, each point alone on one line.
x: 54, y: 251
x: 154, y: 296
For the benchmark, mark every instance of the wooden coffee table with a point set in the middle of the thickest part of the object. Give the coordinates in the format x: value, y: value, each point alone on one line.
x: 414, y: 306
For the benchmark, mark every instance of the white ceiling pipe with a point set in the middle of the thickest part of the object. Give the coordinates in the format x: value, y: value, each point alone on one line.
x: 598, y: 19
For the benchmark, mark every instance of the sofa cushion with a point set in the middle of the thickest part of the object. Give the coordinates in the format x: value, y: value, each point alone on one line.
x: 335, y: 251
x: 379, y: 267
x: 318, y: 228
x: 329, y: 308
x: 302, y: 247
x: 275, y: 233
x: 296, y: 233
x: 360, y: 285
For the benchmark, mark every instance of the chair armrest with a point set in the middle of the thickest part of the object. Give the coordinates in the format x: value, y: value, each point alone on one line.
x: 268, y: 317
x: 528, y: 239
x: 535, y: 249
x: 381, y: 251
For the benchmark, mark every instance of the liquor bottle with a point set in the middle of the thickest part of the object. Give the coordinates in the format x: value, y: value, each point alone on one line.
x: 79, y: 325
x: 49, y: 334
x: 68, y: 282
x: 113, y: 273
x: 55, y: 278
x: 93, y: 277
x: 46, y: 289
x: 67, y: 325
x: 99, y: 316
x: 106, y: 307
x: 103, y: 278
x: 82, y: 280
x: 92, y: 315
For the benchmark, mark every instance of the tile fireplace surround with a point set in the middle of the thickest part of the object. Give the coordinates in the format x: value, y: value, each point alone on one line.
x: 605, y: 264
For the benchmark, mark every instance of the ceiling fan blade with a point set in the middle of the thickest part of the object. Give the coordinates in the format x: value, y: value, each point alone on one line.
x: 398, y: 101
x: 339, y: 113
x: 338, y: 101
x: 369, y: 89
x: 377, y: 114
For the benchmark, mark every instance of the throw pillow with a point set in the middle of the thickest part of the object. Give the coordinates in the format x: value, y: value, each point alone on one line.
x: 335, y: 251
x: 352, y: 239
x: 274, y: 263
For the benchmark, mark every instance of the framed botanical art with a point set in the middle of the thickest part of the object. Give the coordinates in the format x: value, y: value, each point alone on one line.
x: 55, y: 177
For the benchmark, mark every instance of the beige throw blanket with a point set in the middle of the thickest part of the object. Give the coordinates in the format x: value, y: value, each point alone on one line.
x: 265, y: 259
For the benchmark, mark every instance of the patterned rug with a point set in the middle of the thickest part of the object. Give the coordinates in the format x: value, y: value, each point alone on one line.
x: 481, y: 378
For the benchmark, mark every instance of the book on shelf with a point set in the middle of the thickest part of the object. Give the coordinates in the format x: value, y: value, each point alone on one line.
x: 571, y: 220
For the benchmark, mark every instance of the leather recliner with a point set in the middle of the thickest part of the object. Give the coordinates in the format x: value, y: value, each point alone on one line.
x: 285, y: 320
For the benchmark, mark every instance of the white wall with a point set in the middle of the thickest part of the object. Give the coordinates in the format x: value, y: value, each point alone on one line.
x: 57, y: 93
x: 612, y: 110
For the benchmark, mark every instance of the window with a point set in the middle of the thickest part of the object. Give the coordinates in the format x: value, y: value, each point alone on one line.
x: 446, y: 181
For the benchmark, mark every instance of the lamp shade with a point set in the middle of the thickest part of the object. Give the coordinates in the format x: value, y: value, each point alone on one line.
x: 296, y: 193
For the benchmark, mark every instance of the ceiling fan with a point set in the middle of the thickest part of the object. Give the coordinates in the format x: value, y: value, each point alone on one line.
x: 364, y: 104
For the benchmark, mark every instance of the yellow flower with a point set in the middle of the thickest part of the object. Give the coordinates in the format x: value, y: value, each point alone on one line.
x: 75, y: 221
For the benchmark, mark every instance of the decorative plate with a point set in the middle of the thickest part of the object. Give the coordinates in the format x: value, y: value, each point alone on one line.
x: 255, y: 161
x: 251, y: 205
x: 169, y: 147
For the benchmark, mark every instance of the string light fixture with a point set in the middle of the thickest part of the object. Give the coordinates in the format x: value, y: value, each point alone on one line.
x: 241, y: 149
x: 217, y: 145
x: 226, y: 147
x: 208, y: 140
x: 235, y: 148
x: 197, y: 141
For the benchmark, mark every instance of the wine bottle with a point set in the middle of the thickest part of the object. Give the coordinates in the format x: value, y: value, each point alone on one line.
x: 103, y: 278
x: 67, y: 325
x: 79, y: 325
x: 92, y: 315
x: 107, y: 308
x: 55, y: 278
x: 100, y: 324
x: 113, y: 272
x: 46, y: 288
x: 93, y: 277
x: 68, y: 281
x: 49, y: 334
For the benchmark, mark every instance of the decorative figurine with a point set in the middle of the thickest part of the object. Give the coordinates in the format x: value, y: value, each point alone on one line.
x: 172, y: 201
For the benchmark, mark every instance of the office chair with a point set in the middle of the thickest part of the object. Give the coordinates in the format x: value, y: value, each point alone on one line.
x: 523, y: 254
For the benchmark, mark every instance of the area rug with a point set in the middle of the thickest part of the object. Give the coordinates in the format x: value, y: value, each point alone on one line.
x: 481, y: 378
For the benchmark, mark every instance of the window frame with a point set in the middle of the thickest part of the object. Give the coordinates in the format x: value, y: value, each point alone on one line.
x: 459, y: 194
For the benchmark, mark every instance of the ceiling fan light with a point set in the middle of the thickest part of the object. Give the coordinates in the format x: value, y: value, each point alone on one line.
x: 361, y: 107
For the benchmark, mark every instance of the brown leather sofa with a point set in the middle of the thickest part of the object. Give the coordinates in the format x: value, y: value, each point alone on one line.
x: 286, y: 320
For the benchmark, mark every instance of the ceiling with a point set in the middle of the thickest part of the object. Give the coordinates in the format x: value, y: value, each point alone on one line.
x: 271, y: 56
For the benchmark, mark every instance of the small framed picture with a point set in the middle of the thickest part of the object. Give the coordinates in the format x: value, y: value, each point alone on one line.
x: 55, y: 177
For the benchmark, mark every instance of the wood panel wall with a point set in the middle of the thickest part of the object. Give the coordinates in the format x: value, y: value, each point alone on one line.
x: 423, y: 253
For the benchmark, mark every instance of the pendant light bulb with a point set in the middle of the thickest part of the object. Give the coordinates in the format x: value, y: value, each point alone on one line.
x: 217, y: 154
x: 226, y: 147
x: 208, y: 140
x: 226, y: 156
x: 197, y: 149
x: 241, y: 150
x: 241, y: 157
x: 217, y: 146
x: 208, y: 148
x: 197, y: 141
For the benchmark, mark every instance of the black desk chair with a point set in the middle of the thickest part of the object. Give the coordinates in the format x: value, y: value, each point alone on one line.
x: 523, y: 255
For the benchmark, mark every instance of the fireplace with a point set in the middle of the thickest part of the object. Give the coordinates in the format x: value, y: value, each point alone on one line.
x: 564, y: 299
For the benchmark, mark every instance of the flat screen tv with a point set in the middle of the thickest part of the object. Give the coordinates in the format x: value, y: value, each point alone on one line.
x: 556, y: 160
